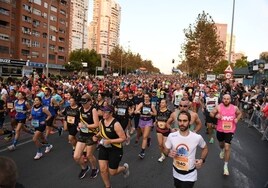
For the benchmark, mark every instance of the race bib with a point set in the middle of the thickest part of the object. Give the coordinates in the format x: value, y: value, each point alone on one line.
x: 70, y: 119
x: 121, y: 111
x: 146, y: 110
x: 19, y: 108
x: 46, y: 107
x: 181, y: 163
x: 35, y: 123
x: 161, y: 124
x: 154, y: 103
x: 227, y: 125
x: 84, y: 129
x: 10, y: 105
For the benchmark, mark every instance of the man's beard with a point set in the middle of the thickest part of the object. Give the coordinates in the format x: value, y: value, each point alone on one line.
x: 226, y: 104
x: 183, y: 129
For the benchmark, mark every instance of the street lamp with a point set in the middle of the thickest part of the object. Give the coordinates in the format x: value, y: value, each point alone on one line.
x: 232, y: 28
x: 48, y: 33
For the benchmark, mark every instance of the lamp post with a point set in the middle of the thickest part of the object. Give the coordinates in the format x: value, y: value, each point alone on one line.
x: 48, y: 32
x: 231, y: 39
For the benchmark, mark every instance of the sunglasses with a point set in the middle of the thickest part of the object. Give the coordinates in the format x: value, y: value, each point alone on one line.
x: 184, y: 106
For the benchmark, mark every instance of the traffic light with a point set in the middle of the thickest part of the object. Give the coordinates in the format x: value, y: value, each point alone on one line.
x: 173, y: 61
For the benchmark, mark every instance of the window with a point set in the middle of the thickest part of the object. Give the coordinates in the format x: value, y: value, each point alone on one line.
x: 4, y: 11
x: 36, y: 33
x: 61, y: 58
x: 38, y: 2
x: 36, y: 44
x: 25, y: 52
x: 4, y: 37
x: 27, y: 7
x: 13, y: 71
x: 53, y: 18
x: 61, y: 49
x: 26, y: 41
x: 36, y: 23
x: 35, y: 54
x: 45, y: 5
x: 26, y: 19
x: 37, y: 12
x: 4, y: 49
x: 52, y: 57
x: 63, y: 12
x: 54, y: 9
x: 52, y: 47
x: 52, y: 37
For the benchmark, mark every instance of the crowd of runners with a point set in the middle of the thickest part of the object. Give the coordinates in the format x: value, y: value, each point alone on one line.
x: 103, y: 113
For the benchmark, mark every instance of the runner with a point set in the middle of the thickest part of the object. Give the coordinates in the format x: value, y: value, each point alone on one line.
x: 208, y: 104
x: 88, y: 125
x: 195, y: 124
x: 22, y: 107
x: 38, y: 117
x: 228, y: 115
x: 177, y: 95
x: 72, y: 118
x: 181, y: 146
x: 111, y: 149
x: 146, y: 111
x: 163, y: 113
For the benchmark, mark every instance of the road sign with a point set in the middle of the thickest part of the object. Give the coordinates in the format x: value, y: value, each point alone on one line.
x: 229, y: 69
x: 228, y: 75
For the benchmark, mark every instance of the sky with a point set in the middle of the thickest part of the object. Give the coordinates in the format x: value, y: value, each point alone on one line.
x: 154, y: 28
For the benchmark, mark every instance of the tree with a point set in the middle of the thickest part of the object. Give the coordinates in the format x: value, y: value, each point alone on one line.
x: 243, y: 62
x: 264, y: 56
x: 221, y: 66
x: 202, y: 48
x: 77, y: 57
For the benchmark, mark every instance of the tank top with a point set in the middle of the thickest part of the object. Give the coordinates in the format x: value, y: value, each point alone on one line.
x: 146, y: 109
x: 38, y: 116
x: 87, y: 118
x: 177, y: 96
x: 47, y: 104
x: 108, y: 132
x: 20, y: 110
x: 226, y: 124
x: 72, y: 116
x: 162, y: 118
x: 211, y: 103
x: 122, y: 108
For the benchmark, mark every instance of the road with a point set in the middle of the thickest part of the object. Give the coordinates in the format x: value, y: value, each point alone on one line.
x: 248, y: 165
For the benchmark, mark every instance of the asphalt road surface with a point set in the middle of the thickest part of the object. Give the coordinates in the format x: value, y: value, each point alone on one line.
x: 248, y: 165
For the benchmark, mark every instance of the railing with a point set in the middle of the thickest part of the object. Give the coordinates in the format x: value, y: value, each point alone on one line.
x: 257, y: 120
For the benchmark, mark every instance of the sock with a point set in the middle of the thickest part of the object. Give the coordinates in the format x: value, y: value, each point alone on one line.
x: 225, y: 163
x: 39, y: 150
x: 15, y: 142
x: 142, y: 150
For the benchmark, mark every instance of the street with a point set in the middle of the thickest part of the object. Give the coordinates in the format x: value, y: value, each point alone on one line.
x: 248, y: 165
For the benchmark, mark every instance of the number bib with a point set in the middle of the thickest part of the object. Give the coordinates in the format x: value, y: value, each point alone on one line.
x: 70, y: 119
x: 46, y: 107
x: 227, y: 125
x: 35, y: 123
x: 161, y: 124
x: 121, y: 111
x: 146, y: 110
x: 181, y: 163
x: 10, y: 105
x: 84, y: 129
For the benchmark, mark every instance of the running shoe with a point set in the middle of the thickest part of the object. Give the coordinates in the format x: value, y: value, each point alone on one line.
x: 222, y: 154
x: 211, y: 141
x: 83, y: 173
x: 126, y: 171
x: 8, y: 138
x: 94, y: 173
x: 48, y: 148
x: 162, y: 158
x: 60, y: 131
x: 142, y: 155
x: 11, y: 147
x: 38, y: 156
x: 225, y: 170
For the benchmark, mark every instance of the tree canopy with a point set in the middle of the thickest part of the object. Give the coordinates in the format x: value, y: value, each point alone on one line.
x: 202, y: 49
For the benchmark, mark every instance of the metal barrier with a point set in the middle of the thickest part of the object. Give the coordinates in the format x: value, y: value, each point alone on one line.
x: 259, y: 122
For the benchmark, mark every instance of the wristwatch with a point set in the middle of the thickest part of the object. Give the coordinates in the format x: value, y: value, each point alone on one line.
x: 204, y: 160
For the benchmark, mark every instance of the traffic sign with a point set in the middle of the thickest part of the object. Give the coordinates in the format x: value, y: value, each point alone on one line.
x: 228, y: 69
x: 228, y: 75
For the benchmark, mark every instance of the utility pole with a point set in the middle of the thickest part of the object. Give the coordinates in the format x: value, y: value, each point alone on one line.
x: 231, y: 40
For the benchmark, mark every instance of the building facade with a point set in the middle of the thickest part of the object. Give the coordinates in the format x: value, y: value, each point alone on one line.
x: 79, y: 25
x: 34, y: 32
x: 105, y: 27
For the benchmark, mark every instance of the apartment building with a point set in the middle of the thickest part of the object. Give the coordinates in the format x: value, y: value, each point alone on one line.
x: 79, y: 25
x: 34, y: 36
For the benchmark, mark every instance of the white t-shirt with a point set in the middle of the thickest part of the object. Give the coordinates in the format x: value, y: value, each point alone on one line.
x: 4, y: 91
x: 178, y: 94
x: 186, y: 149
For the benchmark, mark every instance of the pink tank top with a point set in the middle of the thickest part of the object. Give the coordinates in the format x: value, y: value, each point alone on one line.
x: 226, y: 124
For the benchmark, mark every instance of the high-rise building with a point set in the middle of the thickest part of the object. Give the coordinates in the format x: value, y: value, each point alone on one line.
x: 33, y: 36
x: 78, y: 25
x: 104, y: 29
x: 222, y: 33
